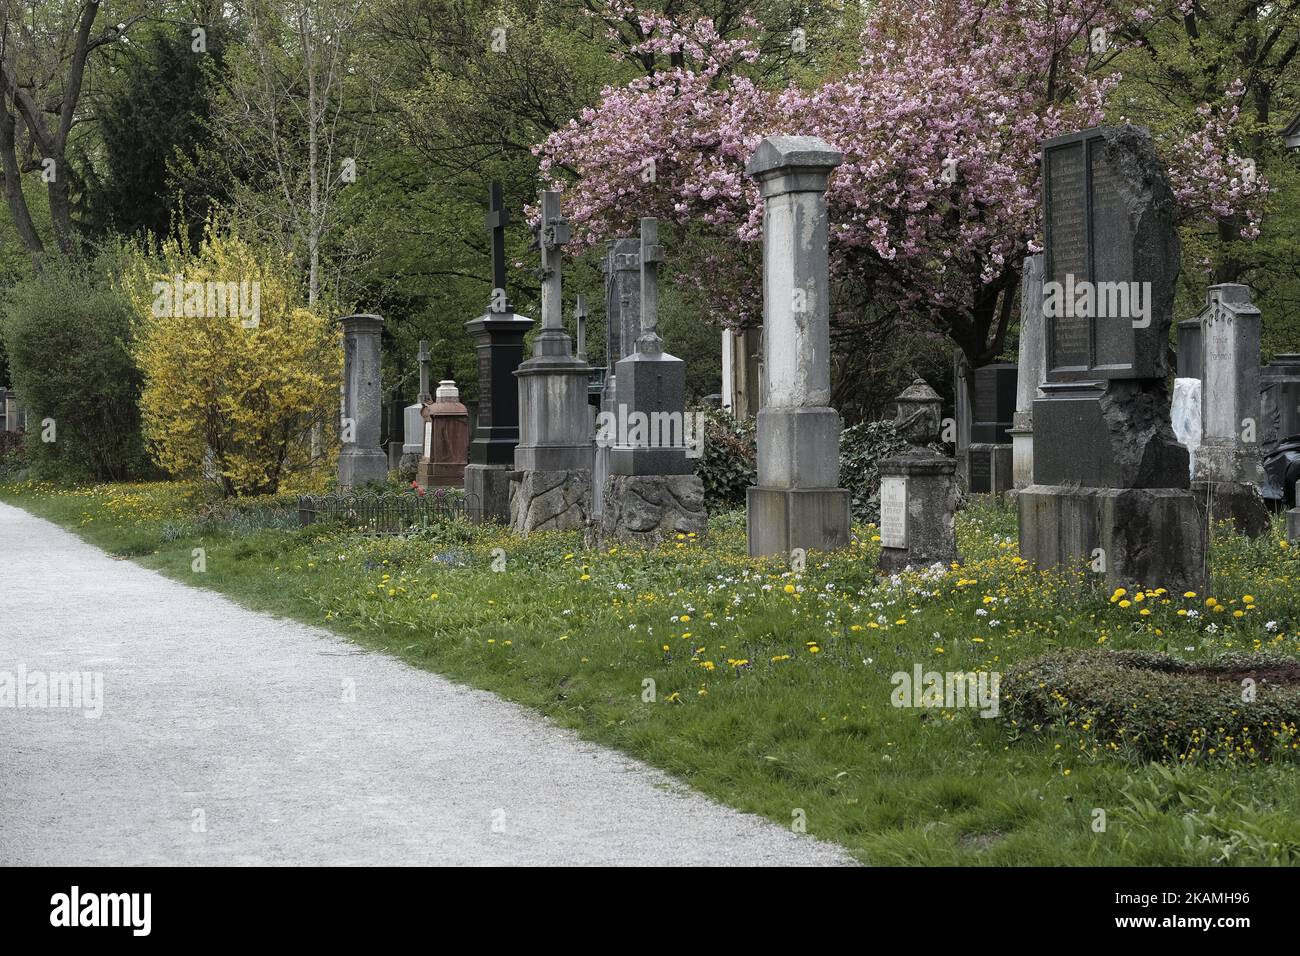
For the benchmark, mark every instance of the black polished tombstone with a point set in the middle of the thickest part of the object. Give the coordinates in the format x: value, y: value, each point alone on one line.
x: 499, y: 345
x: 988, y: 468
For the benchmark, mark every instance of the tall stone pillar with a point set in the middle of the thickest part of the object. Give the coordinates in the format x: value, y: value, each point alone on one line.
x: 361, y: 459
x: 796, y: 503
x: 1228, y: 469
x: 1029, y: 371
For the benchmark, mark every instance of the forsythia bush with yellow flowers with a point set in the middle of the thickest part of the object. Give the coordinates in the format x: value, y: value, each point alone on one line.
x: 235, y: 365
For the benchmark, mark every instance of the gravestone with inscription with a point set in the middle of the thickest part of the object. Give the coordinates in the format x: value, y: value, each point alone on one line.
x: 652, y: 490
x: 361, y: 459
x: 1110, y: 488
x: 796, y: 504
x: 918, y: 489
x: 1228, y: 469
x: 551, y: 485
x: 988, y: 455
x: 1030, y: 370
x: 499, y: 346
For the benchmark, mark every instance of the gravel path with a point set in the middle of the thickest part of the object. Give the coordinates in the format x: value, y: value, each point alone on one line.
x: 226, y: 738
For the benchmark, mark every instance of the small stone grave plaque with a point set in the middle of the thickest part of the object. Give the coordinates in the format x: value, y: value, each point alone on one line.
x: 893, y: 512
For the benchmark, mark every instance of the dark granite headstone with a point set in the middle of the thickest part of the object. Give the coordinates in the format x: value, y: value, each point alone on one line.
x: 1110, y: 487
x: 1279, y: 384
x: 1113, y: 253
x: 995, y: 403
x: 1189, y: 348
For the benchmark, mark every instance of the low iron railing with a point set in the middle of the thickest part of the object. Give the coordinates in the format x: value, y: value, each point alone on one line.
x: 387, y: 513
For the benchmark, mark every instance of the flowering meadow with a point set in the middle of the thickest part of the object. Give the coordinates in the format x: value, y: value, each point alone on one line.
x: 769, y: 688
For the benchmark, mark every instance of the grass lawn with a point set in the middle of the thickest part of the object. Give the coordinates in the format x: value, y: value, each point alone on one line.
x: 772, y: 689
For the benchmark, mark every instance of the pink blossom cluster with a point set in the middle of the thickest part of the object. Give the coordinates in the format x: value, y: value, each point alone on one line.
x: 939, y: 124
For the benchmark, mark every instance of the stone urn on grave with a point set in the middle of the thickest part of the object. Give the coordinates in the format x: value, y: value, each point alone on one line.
x: 918, y: 489
x: 446, y: 440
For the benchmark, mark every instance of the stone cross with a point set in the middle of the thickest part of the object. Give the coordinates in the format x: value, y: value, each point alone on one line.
x: 497, y: 218
x: 423, y: 358
x: 580, y: 317
x: 552, y: 235
x: 652, y: 254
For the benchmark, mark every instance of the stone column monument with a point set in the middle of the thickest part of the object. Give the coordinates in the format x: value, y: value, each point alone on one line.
x: 1293, y: 519
x: 1029, y: 371
x: 551, y: 486
x: 361, y: 459
x: 652, y: 490
x: 918, y: 489
x: 796, y: 503
x: 499, y: 343
x: 1110, y: 488
x: 1228, y: 471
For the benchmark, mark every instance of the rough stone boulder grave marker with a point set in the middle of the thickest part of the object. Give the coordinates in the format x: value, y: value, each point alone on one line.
x: 445, y: 448
x: 1228, y: 469
x: 1030, y: 370
x: 918, y: 489
x: 499, y: 345
x: 988, y: 454
x: 796, y: 504
x: 1110, y: 488
x: 361, y: 459
x: 551, y: 485
x: 652, y: 490
x: 412, y: 420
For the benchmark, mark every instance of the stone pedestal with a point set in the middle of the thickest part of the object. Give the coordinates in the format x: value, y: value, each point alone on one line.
x: 1236, y: 501
x: 645, y: 509
x: 362, y: 459
x: 1022, y: 457
x: 918, y: 504
x: 1293, y: 523
x: 796, y: 503
x: 1135, y: 537
x: 549, y: 500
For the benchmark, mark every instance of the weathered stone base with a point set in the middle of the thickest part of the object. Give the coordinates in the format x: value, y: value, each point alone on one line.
x: 1148, y: 537
x: 488, y: 488
x: 1022, y: 457
x: 358, y: 466
x: 1293, y: 525
x: 442, y: 474
x: 644, y: 509
x: 931, y: 510
x: 1238, y: 502
x: 549, y: 500
x: 782, y: 519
